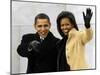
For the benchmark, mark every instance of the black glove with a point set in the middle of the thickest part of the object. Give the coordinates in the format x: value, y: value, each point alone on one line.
x: 87, y: 17
x: 34, y: 45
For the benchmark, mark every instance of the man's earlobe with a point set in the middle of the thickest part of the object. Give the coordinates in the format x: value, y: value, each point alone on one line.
x: 49, y: 25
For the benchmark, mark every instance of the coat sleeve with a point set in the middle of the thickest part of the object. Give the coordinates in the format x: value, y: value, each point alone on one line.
x: 23, y: 47
x: 86, y: 35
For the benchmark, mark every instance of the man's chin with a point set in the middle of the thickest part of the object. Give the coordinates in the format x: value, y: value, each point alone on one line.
x: 43, y: 36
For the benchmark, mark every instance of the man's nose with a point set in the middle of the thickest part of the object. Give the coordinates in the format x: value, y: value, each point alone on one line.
x: 43, y: 28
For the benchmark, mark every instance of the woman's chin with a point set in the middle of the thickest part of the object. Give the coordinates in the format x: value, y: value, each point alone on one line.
x: 66, y: 33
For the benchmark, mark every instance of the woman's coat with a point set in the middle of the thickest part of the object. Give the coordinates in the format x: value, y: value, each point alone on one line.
x: 75, y: 48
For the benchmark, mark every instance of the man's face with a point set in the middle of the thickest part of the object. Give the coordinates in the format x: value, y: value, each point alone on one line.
x: 65, y: 25
x: 42, y: 26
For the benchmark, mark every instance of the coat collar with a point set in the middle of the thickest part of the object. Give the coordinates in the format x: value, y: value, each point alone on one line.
x: 49, y: 36
x: 72, y: 33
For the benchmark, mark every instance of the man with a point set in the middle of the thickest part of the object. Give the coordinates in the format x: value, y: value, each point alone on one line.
x: 40, y: 48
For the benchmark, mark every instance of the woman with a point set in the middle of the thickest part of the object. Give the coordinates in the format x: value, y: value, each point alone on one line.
x: 71, y: 48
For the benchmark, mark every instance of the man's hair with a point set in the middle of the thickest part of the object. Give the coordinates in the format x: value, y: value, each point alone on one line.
x: 42, y: 16
x: 70, y: 16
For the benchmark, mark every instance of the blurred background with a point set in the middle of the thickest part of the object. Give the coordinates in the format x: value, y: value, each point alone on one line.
x: 23, y: 14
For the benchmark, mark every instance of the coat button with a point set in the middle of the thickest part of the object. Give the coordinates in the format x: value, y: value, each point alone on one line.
x: 37, y: 64
x: 68, y: 57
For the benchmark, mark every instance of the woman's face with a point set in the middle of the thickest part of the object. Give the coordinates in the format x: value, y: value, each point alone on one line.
x: 65, y: 25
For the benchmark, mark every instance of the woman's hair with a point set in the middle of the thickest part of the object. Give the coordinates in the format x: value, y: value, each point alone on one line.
x: 70, y: 16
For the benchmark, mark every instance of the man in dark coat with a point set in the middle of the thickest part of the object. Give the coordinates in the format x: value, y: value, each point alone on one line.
x: 40, y: 48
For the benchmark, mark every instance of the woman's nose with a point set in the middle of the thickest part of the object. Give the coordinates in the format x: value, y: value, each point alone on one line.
x: 64, y: 27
